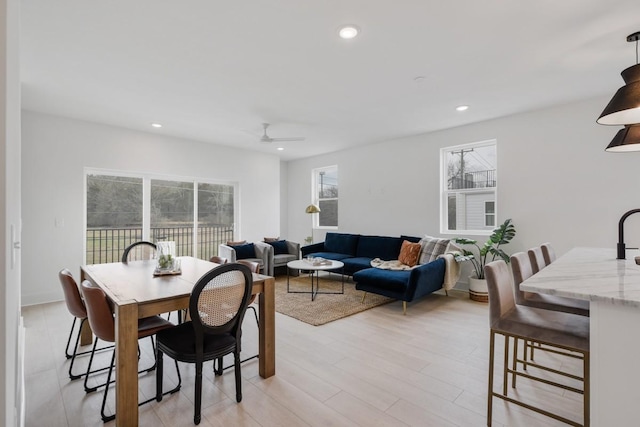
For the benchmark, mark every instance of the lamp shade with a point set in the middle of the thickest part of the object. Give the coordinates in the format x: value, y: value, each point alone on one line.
x: 624, y: 107
x: 627, y: 139
x: 311, y: 209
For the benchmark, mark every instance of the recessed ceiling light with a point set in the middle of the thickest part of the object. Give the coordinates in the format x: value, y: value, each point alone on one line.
x: 462, y: 108
x: 280, y: 148
x: 348, y: 32
x: 156, y: 125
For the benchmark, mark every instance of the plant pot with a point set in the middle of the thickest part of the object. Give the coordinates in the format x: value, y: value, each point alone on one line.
x: 478, y: 290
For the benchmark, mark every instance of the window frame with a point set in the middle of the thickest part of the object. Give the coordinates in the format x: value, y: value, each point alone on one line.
x: 488, y: 214
x: 445, y: 192
x: 146, y: 200
x: 315, y: 199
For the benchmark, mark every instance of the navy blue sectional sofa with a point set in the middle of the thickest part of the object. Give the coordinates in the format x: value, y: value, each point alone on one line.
x: 357, y: 251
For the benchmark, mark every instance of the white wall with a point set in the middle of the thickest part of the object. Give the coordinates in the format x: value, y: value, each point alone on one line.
x: 11, y: 374
x: 555, y: 181
x: 55, y: 152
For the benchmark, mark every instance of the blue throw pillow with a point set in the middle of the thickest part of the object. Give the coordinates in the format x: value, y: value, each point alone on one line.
x: 245, y: 251
x: 279, y: 247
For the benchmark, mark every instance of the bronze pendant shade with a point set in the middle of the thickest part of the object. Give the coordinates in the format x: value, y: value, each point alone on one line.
x: 624, y: 108
x: 627, y: 139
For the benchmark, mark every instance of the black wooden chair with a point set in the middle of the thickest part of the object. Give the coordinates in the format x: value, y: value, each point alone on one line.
x: 139, y: 251
x: 217, y: 306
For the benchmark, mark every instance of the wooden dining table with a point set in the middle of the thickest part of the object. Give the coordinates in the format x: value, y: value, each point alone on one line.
x: 136, y: 293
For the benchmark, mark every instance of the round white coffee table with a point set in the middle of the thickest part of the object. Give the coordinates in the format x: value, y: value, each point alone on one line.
x: 314, y: 269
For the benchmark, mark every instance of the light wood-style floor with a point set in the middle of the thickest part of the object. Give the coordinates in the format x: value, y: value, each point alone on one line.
x: 376, y: 368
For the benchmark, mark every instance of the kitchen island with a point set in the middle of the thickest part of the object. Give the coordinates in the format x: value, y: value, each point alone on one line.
x: 613, y: 288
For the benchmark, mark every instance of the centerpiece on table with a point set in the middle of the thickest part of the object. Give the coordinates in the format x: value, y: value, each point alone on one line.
x: 167, y: 261
x: 487, y: 253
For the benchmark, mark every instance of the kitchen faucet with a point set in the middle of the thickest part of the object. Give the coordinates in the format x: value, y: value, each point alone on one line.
x: 621, y: 245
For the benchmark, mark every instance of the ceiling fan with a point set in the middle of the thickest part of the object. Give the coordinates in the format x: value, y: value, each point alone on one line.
x: 266, y: 139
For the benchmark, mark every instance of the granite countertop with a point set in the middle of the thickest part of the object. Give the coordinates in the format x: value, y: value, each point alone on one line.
x: 592, y: 274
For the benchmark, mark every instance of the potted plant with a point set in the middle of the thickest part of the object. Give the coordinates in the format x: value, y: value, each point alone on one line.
x: 487, y: 253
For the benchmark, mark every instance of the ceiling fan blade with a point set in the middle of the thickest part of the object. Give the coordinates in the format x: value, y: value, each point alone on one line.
x: 287, y: 139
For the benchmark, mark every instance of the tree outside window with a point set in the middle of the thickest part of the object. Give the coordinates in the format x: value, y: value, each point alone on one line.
x: 121, y: 210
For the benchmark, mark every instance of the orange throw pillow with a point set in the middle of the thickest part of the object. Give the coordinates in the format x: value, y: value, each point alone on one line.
x: 409, y: 253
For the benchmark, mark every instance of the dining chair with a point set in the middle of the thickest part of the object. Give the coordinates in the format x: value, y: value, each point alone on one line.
x: 76, y: 307
x: 564, y: 332
x: 548, y: 253
x: 139, y: 251
x: 218, y: 259
x: 143, y: 250
x: 103, y: 326
x: 255, y: 268
x: 537, y: 259
x: 217, y: 305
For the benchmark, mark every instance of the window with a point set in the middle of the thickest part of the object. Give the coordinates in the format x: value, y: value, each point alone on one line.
x: 325, y: 195
x: 468, y: 188
x: 122, y: 209
x: 490, y: 214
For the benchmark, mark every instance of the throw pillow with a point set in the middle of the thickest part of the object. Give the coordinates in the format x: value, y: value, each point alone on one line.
x: 244, y: 251
x: 279, y: 247
x: 409, y: 253
x: 239, y: 242
x: 432, y: 247
x: 271, y: 239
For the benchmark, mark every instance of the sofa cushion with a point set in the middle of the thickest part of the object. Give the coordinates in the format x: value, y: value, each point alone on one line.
x: 432, y: 247
x: 279, y: 260
x: 330, y: 255
x: 279, y: 247
x: 341, y: 243
x: 382, y: 247
x: 351, y: 265
x: 270, y: 239
x: 412, y: 239
x: 409, y: 253
x: 245, y: 251
x: 392, y: 280
x: 239, y: 242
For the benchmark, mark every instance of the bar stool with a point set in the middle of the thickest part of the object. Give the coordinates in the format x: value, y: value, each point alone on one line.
x: 548, y: 253
x: 537, y: 259
x: 522, y: 269
x: 563, y: 331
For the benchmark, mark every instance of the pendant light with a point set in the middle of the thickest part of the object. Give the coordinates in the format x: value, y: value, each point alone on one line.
x: 624, y: 107
x: 627, y: 139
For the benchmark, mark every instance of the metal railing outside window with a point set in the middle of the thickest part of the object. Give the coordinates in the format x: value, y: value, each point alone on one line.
x: 107, y: 244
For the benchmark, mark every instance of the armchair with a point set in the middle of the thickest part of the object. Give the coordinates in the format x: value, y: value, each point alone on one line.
x: 256, y: 252
x: 280, y: 253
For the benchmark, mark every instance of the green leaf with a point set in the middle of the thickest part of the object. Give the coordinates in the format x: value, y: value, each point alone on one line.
x: 463, y: 241
x: 502, y: 235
